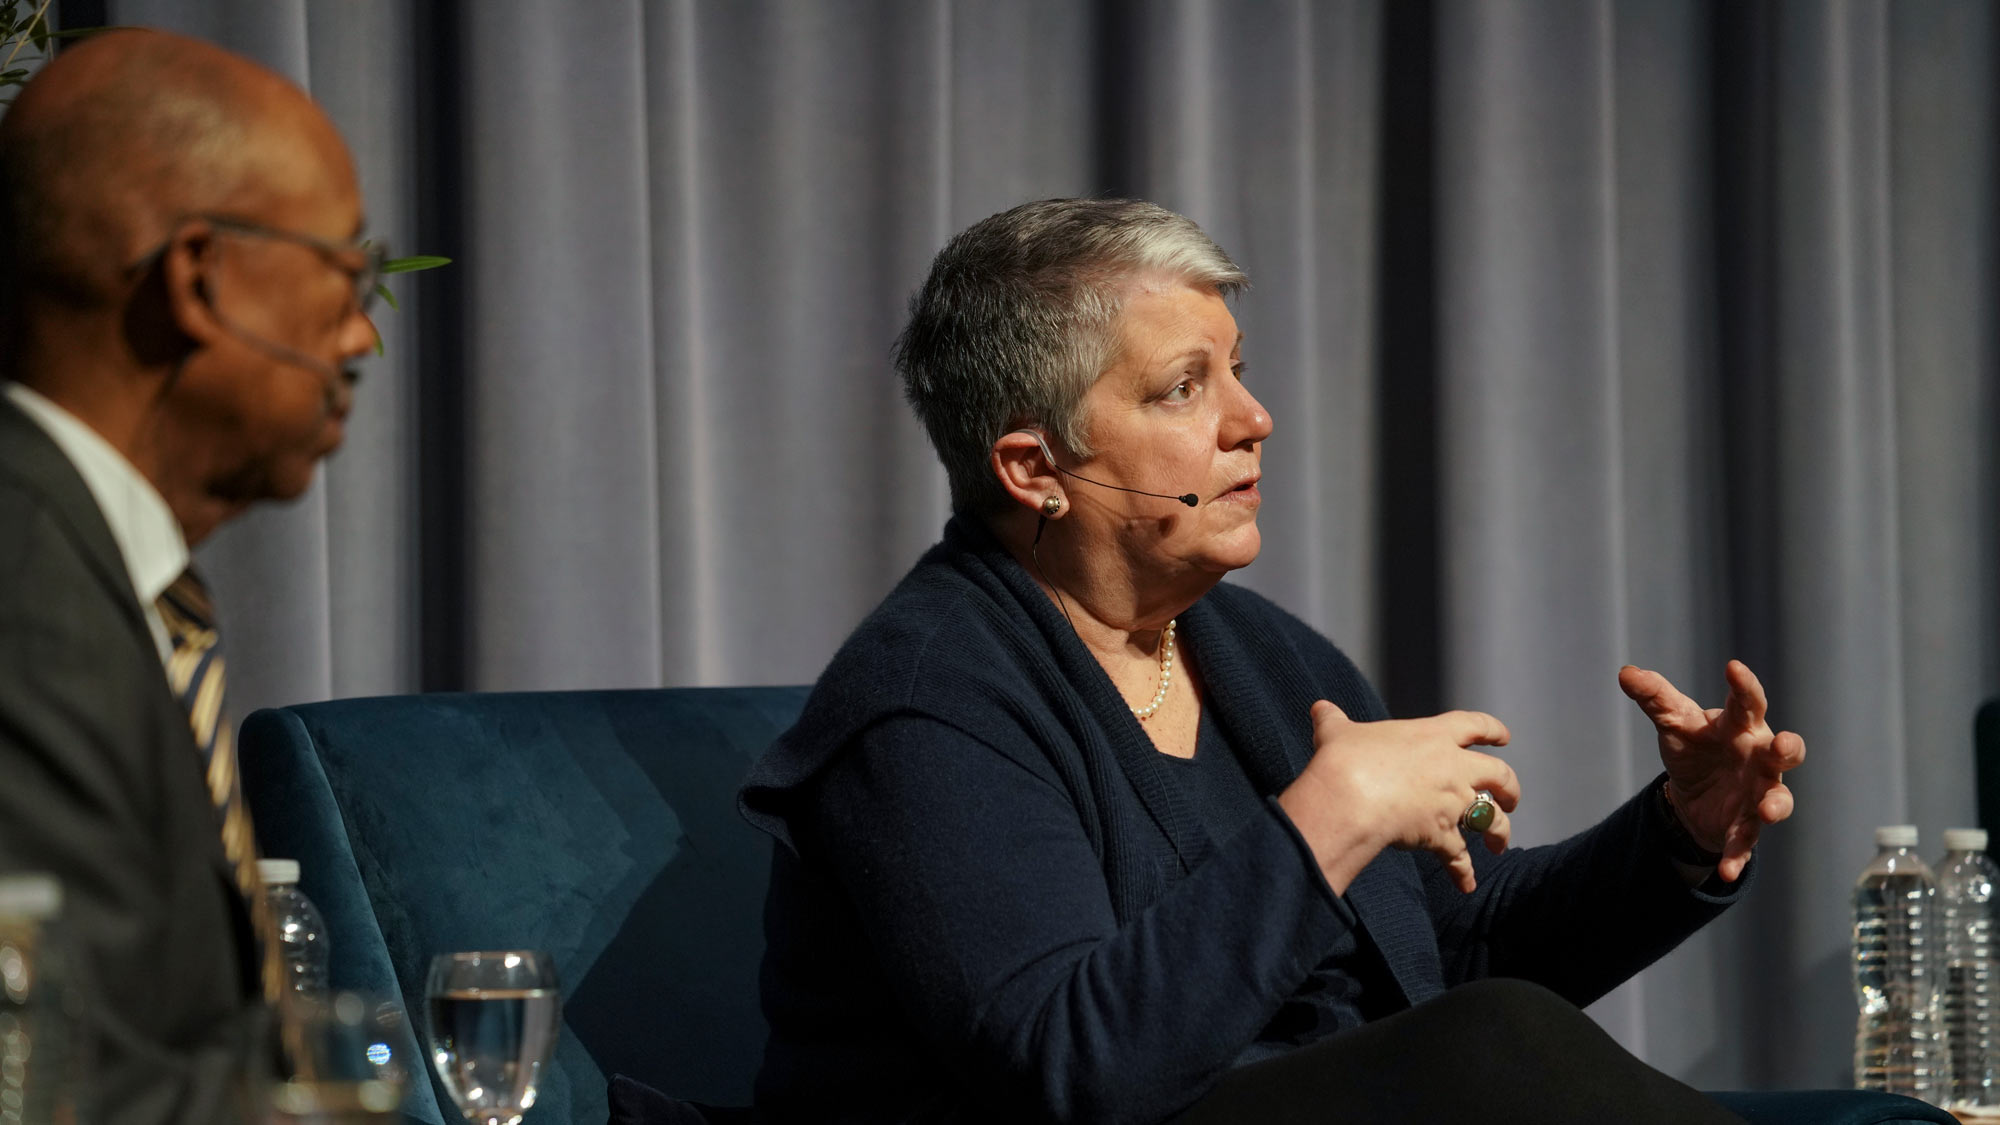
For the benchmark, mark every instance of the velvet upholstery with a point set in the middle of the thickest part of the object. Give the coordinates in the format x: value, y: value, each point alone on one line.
x: 598, y: 825
x: 601, y: 826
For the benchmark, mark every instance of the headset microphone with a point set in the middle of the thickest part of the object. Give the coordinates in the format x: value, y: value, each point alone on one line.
x: 337, y: 377
x: 1188, y: 498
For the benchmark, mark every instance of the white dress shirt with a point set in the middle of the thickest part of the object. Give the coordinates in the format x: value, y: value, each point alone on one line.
x: 147, y: 534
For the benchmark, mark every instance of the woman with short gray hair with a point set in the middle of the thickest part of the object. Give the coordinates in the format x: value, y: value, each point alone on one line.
x: 1016, y: 323
x: 1071, y: 830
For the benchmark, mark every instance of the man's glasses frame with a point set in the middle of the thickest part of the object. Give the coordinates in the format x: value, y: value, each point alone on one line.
x: 372, y: 253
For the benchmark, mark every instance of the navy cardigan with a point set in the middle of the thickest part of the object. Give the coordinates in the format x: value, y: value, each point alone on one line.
x: 991, y: 900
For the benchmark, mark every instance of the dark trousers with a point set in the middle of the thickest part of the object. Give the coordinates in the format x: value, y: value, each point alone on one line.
x: 1494, y: 1052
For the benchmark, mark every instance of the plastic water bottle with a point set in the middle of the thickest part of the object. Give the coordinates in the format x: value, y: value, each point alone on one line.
x: 301, y: 931
x: 1899, y: 1044
x: 40, y: 1054
x: 1967, y: 879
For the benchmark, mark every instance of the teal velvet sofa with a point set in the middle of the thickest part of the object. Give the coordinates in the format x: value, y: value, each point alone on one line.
x: 601, y: 826
x: 598, y: 825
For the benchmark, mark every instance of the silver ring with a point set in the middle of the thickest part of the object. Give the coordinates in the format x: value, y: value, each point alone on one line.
x: 1478, y: 816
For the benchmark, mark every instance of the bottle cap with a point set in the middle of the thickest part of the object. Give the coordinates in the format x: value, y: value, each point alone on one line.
x: 1965, y: 839
x: 1896, y: 836
x: 278, y: 872
x: 32, y: 895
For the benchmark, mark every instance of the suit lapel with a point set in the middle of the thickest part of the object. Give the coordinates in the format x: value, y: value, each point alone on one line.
x: 30, y: 455
x: 30, y: 458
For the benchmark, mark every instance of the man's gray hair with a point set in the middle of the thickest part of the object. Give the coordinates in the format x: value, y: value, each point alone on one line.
x: 1017, y: 320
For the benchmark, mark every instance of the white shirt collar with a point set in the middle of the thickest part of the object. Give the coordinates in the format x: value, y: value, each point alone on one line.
x: 147, y: 534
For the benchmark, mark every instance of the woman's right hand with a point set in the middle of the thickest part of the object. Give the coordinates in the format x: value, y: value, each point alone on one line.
x: 1399, y: 783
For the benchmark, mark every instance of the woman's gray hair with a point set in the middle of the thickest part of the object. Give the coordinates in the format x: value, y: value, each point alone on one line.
x: 1016, y: 321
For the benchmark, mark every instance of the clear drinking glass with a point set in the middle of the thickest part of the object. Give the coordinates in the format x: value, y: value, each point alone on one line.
x: 493, y: 1024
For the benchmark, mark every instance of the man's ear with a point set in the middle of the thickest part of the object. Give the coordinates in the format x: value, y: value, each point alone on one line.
x: 1022, y: 462
x: 186, y: 264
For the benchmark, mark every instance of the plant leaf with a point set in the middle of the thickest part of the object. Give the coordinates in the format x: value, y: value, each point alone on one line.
x: 413, y: 263
x: 388, y: 298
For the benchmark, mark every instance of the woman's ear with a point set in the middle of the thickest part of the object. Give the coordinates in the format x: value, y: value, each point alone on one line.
x: 1025, y: 468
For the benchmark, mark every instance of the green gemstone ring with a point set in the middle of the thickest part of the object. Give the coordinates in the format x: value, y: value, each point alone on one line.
x: 1478, y: 816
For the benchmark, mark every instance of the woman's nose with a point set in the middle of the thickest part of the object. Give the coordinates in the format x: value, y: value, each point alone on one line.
x: 1245, y: 421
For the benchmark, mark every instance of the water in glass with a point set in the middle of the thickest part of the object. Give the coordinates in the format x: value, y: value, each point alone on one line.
x: 494, y: 1018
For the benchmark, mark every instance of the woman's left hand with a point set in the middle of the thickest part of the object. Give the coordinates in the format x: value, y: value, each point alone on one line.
x: 1725, y: 768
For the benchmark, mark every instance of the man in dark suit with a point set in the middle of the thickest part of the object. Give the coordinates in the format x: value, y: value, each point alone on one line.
x: 180, y: 291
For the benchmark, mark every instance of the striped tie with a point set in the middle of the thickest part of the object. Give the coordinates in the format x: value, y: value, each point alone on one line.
x: 195, y: 673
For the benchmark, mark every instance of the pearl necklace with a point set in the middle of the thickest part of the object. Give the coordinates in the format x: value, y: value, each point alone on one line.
x: 1166, y: 675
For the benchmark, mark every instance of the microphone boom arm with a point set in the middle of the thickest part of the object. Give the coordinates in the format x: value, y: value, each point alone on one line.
x: 1188, y: 498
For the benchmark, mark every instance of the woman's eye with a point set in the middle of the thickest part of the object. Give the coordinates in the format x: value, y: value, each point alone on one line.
x: 1183, y: 391
x: 1240, y: 368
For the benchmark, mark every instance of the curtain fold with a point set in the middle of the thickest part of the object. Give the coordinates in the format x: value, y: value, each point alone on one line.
x: 1835, y: 552
x: 1595, y: 331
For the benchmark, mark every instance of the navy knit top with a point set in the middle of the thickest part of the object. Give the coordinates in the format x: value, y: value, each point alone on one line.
x: 994, y: 900
x: 1351, y: 984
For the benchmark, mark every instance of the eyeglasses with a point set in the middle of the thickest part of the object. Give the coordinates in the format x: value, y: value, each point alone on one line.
x: 370, y: 253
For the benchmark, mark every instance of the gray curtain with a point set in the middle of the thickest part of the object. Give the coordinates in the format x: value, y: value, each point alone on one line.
x: 1595, y: 332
